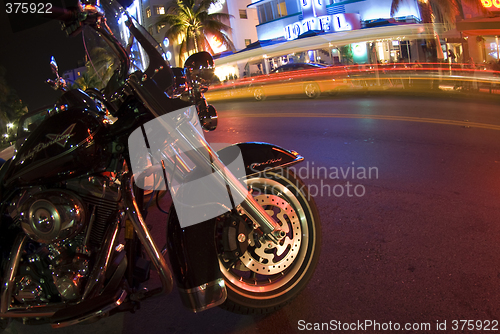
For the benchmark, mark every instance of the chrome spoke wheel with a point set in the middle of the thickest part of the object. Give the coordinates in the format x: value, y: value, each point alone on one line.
x: 258, y: 94
x: 270, y: 258
x: 312, y: 90
x: 270, y: 274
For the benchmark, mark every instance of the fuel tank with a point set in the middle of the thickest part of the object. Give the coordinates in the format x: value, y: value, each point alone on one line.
x: 68, y: 144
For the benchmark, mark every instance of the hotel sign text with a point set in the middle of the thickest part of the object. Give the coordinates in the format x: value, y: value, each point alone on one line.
x: 326, y: 23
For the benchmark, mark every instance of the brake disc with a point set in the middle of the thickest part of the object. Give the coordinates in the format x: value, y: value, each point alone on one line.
x: 269, y: 258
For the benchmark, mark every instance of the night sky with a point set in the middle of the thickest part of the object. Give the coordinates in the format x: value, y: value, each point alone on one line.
x: 26, y: 55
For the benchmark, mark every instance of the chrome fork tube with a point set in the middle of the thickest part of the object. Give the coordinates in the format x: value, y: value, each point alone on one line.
x: 154, y: 253
x: 195, y: 141
x: 10, y: 272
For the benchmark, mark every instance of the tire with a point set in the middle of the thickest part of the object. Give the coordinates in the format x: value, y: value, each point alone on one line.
x: 334, y: 92
x: 312, y: 90
x: 258, y: 94
x: 288, y: 272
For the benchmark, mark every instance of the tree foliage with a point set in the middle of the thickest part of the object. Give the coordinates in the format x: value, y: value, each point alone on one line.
x: 11, y: 106
x: 99, y: 69
x: 86, y: 81
x: 190, y: 22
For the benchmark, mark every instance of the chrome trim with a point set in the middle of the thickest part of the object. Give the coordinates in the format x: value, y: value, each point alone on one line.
x: 145, y: 237
x: 27, y: 313
x: 33, y: 167
x: 104, y: 310
x: 39, y: 311
x: 298, y: 158
x: 10, y: 272
x: 205, y: 296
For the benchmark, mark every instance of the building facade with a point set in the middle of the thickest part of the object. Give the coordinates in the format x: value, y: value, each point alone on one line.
x: 357, y: 32
x: 479, y: 33
x: 291, y: 18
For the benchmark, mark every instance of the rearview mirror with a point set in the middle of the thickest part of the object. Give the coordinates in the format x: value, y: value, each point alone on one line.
x: 200, y: 70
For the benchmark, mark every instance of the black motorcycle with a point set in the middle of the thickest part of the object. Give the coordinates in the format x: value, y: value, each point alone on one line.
x: 73, y: 239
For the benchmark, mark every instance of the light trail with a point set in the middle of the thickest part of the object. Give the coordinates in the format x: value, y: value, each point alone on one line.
x: 376, y: 117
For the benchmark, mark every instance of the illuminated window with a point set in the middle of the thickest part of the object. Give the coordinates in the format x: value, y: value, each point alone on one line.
x: 243, y: 14
x: 159, y: 10
x: 150, y: 30
x: 271, y: 11
x: 248, y: 42
x: 265, y: 12
x: 148, y: 12
x: 281, y: 8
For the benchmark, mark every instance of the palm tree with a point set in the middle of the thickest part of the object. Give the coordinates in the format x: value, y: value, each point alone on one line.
x: 100, y: 68
x: 86, y: 81
x: 444, y: 11
x: 189, y: 21
x: 11, y: 106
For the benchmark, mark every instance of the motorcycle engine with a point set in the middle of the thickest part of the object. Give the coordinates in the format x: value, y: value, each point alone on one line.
x: 52, y: 215
x: 66, y: 226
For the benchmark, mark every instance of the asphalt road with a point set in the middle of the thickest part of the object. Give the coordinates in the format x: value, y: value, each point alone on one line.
x: 415, y: 242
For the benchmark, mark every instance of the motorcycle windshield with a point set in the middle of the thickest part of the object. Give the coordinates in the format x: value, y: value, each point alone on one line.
x: 102, y: 61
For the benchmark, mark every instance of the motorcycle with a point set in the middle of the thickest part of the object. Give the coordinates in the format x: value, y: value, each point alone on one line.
x: 242, y: 233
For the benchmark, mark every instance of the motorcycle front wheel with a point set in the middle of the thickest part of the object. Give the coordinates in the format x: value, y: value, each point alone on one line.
x: 269, y: 275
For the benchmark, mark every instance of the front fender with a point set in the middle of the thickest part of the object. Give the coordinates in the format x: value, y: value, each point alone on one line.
x: 259, y: 157
x: 195, y: 263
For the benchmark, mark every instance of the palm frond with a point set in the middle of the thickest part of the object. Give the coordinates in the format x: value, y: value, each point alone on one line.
x: 189, y: 21
x: 395, y: 6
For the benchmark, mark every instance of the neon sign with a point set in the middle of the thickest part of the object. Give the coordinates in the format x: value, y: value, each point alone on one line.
x: 326, y: 23
x: 292, y: 31
x: 313, y: 8
x: 340, y: 23
x: 491, y: 4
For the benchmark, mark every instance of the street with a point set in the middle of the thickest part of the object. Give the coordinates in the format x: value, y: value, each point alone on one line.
x: 408, y: 190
